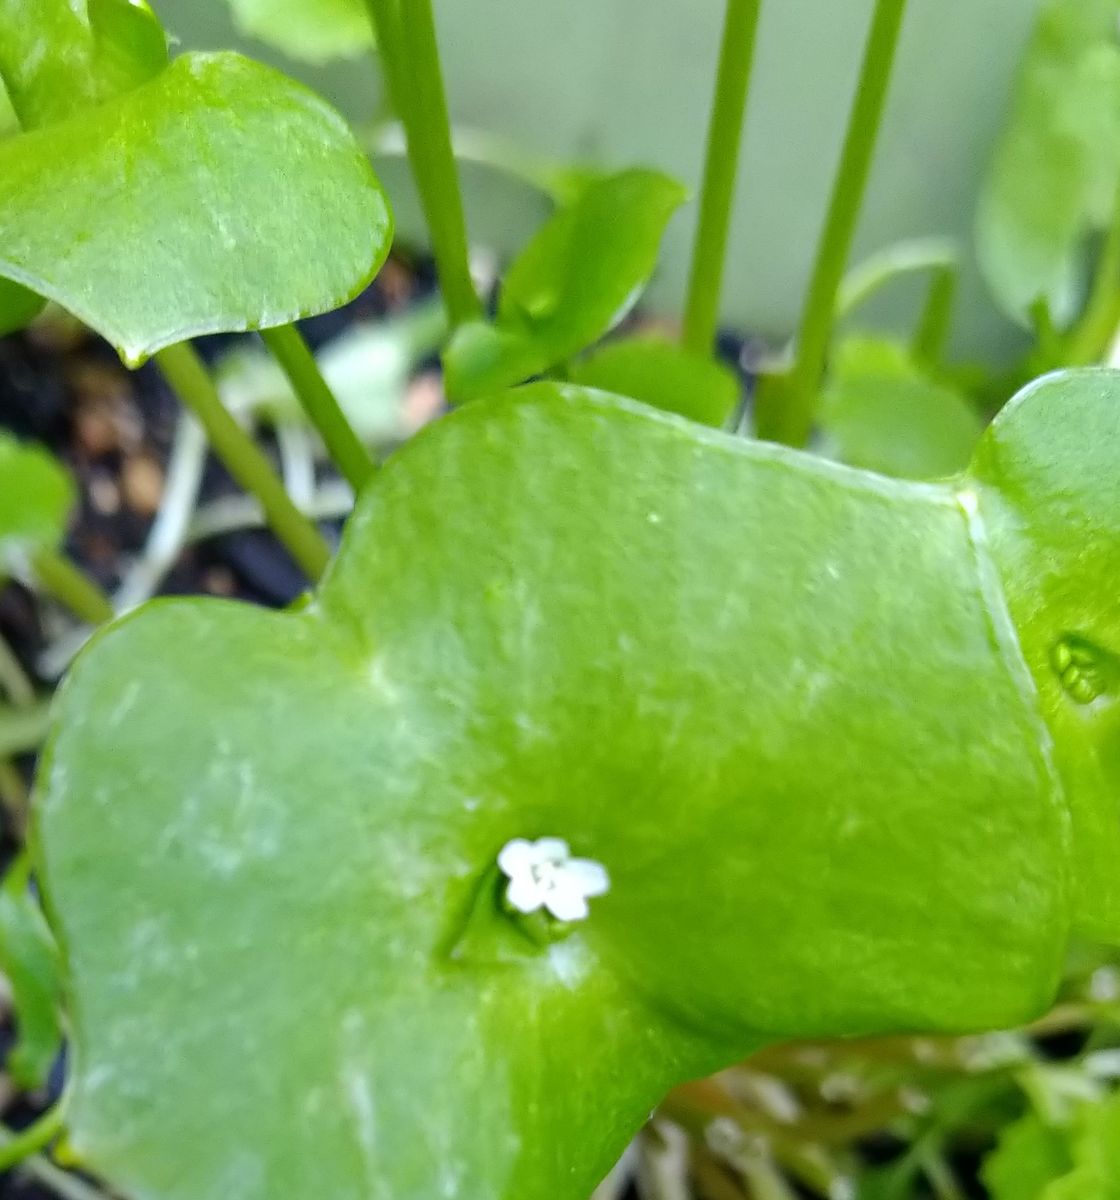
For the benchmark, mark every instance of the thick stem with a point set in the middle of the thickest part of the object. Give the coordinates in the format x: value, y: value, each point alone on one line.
x: 294, y: 356
x: 243, y: 458
x: 787, y: 415
x: 58, y: 576
x: 410, y: 54
x: 725, y: 135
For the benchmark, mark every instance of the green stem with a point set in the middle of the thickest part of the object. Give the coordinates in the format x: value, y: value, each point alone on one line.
x: 410, y: 54
x: 60, y: 578
x: 244, y: 459
x: 23, y: 729
x: 932, y: 334
x: 13, y: 678
x: 18, y: 1146
x: 319, y: 402
x: 1097, y: 327
x: 785, y: 414
x: 725, y: 135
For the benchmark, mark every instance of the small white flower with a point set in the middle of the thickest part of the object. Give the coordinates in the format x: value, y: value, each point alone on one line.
x: 543, y: 874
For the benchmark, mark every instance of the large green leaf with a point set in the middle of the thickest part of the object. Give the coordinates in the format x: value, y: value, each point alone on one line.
x: 218, y: 196
x: 315, y: 31
x: 781, y: 701
x: 574, y: 281
x: 1056, y: 173
x: 880, y: 410
x: 36, y: 496
x: 58, y: 57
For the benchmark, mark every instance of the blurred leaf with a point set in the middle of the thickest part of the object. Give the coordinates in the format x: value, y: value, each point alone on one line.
x: 1095, y: 1146
x: 562, y: 183
x: 315, y: 31
x: 910, y: 257
x: 244, y: 202
x: 664, y: 375
x: 35, y: 499
x: 73, y: 54
x: 881, y: 412
x: 574, y: 281
x: 714, y: 666
x: 368, y: 368
x: 30, y: 960
x: 1056, y: 173
x: 1030, y: 1155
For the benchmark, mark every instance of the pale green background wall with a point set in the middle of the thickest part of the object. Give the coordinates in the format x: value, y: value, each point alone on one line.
x: 624, y: 81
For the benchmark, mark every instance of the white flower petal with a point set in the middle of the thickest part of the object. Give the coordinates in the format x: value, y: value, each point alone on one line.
x: 525, y: 893
x: 551, y: 850
x: 589, y: 875
x: 516, y: 858
x: 567, y: 904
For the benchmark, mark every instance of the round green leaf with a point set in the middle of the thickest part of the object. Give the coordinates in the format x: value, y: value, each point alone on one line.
x: 780, y: 701
x: 219, y: 196
x: 314, y: 31
x: 880, y: 410
x: 36, y: 496
x: 663, y: 375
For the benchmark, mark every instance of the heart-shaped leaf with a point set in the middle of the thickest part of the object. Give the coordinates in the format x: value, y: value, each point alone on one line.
x: 35, y: 500
x: 1057, y: 170
x: 663, y: 375
x: 880, y: 410
x: 574, y: 281
x: 218, y: 196
x: 779, y: 701
x: 315, y: 31
x: 73, y: 54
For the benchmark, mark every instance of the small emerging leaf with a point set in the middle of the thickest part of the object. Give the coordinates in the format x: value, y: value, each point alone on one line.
x: 219, y: 196
x: 30, y: 961
x: 664, y: 375
x: 882, y: 412
x: 314, y: 31
x: 73, y: 54
x: 1056, y: 173
x: 574, y: 281
x: 35, y: 500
